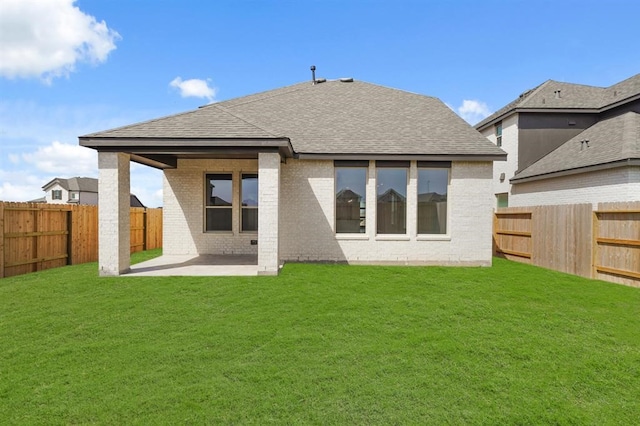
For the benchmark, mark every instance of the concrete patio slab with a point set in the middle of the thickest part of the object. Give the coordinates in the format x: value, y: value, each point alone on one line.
x: 202, y: 265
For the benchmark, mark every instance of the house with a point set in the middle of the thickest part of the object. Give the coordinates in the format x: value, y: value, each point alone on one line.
x: 76, y: 190
x: 297, y: 150
x: 568, y: 143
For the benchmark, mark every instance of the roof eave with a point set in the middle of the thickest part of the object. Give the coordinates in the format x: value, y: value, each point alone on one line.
x: 404, y: 157
x: 140, y: 145
x: 593, y: 168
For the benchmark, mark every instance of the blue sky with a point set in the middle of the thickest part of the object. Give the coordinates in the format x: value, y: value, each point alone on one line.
x: 70, y: 68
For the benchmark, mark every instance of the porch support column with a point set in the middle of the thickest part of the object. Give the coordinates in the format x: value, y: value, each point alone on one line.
x: 113, y: 213
x: 268, y: 213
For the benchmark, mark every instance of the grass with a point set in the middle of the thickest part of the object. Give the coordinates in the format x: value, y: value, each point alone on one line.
x: 320, y: 344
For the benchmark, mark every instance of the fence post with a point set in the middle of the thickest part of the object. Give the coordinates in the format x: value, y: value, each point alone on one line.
x: 595, y: 233
x: 1, y: 239
x: 70, y: 215
x: 145, y: 225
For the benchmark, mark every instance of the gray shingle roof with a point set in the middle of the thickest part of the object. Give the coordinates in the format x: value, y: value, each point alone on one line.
x: 572, y: 96
x: 83, y: 184
x: 327, y: 118
x: 611, y: 140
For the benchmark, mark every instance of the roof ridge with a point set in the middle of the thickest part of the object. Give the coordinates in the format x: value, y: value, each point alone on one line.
x: 255, y: 97
x: 191, y: 111
x: 226, y: 111
x: 531, y: 93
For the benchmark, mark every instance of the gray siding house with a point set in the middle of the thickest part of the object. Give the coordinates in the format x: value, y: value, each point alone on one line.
x: 76, y: 190
x: 568, y: 143
x: 305, y: 173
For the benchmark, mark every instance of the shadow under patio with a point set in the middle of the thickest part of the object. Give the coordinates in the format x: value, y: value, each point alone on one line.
x: 201, y: 265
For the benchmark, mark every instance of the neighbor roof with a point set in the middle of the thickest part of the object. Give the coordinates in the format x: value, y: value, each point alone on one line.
x: 329, y: 118
x: 610, y: 143
x: 571, y: 97
x: 83, y: 184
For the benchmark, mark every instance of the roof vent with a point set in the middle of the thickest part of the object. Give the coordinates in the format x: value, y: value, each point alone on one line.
x: 557, y: 94
x: 313, y: 74
x: 346, y: 80
x: 583, y: 143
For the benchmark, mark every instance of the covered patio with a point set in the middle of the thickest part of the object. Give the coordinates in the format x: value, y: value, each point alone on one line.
x: 167, y: 154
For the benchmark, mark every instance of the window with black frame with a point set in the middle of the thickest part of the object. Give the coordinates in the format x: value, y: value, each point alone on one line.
x: 351, y: 197
x: 391, y: 192
x: 219, y: 202
x: 249, y: 197
x: 433, y: 189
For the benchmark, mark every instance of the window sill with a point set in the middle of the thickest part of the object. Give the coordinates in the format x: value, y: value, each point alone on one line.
x: 352, y: 237
x: 391, y: 237
x: 219, y: 232
x: 434, y: 237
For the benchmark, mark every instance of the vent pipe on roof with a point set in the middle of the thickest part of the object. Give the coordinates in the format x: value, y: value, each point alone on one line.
x: 557, y: 93
x: 313, y: 74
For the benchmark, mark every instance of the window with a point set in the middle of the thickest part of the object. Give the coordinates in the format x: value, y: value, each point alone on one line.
x: 502, y: 199
x: 56, y: 194
x: 218, y: 205
x: 499, y: 133
x: 433, y: 184
x: 351, y: 196
x: 249, y: 197
x: 391, y: 191
x: 74, y: 195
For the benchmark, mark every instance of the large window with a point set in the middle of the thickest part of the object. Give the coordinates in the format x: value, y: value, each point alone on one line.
x: 218, y: 206
x: 351, y: 197
x: 56, y: 194
x: 249, y: 197
x: 433, y: 183
x: 391, y: 191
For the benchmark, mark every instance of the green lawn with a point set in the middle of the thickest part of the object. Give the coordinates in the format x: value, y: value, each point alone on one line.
x: 320, y: 344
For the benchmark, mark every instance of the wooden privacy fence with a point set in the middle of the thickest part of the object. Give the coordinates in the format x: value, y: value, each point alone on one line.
x: 603, y: 243
x: 34, y: 237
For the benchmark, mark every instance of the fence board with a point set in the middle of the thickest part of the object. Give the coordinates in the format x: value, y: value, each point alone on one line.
x: 617, y: 247
x: 154, y: 228
x: 41, y: 236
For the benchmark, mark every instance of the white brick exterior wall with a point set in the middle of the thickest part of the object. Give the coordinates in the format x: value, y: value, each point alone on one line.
x: 510, y: 146
x: 308, y: 219
x: 183, y: 209
x: 619, y: 184
x: 113, y: 210
x: 306, y: 211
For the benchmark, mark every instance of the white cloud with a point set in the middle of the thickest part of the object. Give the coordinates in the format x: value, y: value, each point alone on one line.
x: 194, y: 88
x: 20, y: 186
x: 473, y: 111
x: 66, y: 160
x: 47, y: 38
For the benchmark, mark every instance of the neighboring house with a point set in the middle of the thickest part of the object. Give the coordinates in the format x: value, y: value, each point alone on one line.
x: 336, y: 168
x: 76, y: 190
x: 568, y: 143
